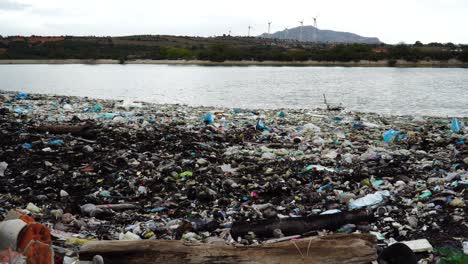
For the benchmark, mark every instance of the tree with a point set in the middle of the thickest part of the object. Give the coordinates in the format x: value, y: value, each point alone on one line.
x: 418, y: 44
x: 464, y: 55
x: 435, y: 44
x: 451, y: 45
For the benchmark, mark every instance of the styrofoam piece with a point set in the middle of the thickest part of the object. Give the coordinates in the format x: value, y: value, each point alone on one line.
x: 419, y: 245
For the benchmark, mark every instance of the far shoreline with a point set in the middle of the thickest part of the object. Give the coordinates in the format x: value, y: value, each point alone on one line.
x: 363, y: 63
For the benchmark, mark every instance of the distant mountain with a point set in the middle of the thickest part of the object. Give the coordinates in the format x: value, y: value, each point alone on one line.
x: 312, y: 34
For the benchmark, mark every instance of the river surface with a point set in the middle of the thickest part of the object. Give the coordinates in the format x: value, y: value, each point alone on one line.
x: 420, y: 91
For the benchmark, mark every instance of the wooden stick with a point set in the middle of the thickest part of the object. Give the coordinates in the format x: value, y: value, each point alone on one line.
x: 117, y: 206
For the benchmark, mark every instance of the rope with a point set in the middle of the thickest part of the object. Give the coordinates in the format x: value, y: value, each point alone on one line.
x: 298, y: 249
x: 310, y: 242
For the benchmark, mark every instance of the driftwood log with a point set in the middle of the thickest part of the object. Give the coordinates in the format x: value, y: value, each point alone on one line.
x: 76, y: 130
x: 300, y: 225
x: 334, y: 249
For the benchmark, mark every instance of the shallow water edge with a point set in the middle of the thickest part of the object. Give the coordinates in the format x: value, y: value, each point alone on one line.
x: 361, y: 63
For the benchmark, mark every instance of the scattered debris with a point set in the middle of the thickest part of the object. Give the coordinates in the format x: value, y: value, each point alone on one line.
x: 92, y: 169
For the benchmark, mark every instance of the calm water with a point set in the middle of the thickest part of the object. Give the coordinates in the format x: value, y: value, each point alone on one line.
x: 427, y: 91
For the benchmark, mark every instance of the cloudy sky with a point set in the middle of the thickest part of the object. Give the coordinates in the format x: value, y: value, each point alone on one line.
x: 390, y: 20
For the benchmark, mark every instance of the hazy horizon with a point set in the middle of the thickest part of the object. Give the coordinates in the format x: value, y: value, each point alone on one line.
x: 390, y: 21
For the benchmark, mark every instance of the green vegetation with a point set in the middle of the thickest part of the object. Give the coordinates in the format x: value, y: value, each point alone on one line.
x: 221, y: 49
x: 464, y: 55
x: 451, y: 256
x: 68, y: 49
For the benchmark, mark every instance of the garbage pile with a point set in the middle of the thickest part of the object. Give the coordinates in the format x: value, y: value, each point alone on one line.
x: 90, y: 169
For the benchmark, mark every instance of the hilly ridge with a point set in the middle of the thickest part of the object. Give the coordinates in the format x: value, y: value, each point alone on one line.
x: 313, y: 34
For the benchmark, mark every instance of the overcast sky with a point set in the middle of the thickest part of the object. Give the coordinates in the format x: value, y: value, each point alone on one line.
x: 390, y: 20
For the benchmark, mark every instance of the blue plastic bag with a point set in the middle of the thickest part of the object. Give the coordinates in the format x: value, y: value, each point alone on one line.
x: 19, y: 111
x: 97, y: 108
x: 55, y: 142
x: 27, y: 146
x: 107, y: 116
x: 325, y: 187
x: 368, y: 200
x: 391, y: 136
x: 358, y: 125
x: 208, y: 118
x: 456, y: 125
x: 156, y: 209
x: 260, y: 125
x: 21, y: 96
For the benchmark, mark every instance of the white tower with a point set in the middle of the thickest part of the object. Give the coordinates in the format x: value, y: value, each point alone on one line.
x: 300, y: 32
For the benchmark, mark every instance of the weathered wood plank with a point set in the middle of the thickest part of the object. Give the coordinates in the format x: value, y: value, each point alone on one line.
x: 334, y: 249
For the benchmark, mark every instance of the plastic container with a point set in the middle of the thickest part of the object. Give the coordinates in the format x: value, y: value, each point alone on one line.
x: 28, y: 237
